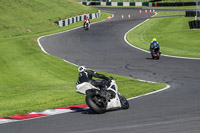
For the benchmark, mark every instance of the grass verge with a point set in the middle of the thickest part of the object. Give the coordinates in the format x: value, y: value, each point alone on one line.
x: 31, y: 80
x: 172, y: 33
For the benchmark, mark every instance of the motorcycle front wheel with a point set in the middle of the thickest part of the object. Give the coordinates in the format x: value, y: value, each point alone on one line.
x: 86, y: 26
x: 158, y: 55
x: 124, y: 102
x: 96, y: 103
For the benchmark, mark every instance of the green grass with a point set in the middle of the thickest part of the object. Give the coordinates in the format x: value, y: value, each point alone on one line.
x: 22, y: 17
x: 172, y: 33
x: 31, y: 80
x: 161, y: 13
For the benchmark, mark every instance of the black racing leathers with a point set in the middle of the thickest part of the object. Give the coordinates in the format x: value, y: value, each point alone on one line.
x: 89, y: 74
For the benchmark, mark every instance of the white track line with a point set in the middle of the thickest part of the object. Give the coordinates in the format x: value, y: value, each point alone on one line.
x: 168, y: 86
x: 148, y: 51
x: 50, y: 112
x: 38, y: 40
x: 2, y: 121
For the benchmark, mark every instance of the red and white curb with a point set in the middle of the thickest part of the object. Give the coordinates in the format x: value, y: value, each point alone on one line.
x: 45, y: 113
x: 49, y: 112
x: 62, y: 110
x: 68, y: 109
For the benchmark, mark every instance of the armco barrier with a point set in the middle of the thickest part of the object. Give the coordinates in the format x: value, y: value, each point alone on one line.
x: 194, y: 24
x: 75, y: 19
x: 115, y: 3
x: 151, y: 4
x: 175, y: 4
x: 192, y: 13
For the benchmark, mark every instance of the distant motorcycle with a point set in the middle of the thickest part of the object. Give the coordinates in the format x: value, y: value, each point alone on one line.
x: 100, y: 101
x: 86, y: 24
x: 155, y: 53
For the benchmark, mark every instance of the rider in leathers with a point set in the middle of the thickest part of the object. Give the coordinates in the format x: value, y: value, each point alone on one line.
x: 154, y: 44
x: 85, y: 19
x: 87, y: 75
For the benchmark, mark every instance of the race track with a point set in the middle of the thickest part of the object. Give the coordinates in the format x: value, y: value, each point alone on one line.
x: 103, y: 48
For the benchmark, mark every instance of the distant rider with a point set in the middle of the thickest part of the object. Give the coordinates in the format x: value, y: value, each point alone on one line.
x: 87, y: 75
x: 85, y: 19
x: 154, y: 44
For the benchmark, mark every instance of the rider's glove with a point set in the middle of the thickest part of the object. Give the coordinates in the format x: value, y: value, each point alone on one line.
x: 110, y: 78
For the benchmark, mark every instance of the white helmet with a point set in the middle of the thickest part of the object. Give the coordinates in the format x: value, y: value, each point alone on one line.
x: 82, y: 69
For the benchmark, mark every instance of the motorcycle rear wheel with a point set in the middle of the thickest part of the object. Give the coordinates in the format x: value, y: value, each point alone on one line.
x: 90, y: 101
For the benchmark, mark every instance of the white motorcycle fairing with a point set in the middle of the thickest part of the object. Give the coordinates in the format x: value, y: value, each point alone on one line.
x: 87, y: 22
x: 113, y: 103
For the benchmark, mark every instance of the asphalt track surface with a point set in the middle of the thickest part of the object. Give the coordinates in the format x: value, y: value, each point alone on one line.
x: 102, y: 48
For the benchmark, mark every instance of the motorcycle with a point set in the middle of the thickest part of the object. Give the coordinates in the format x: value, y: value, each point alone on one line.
x: 155, y: 53
x: 100, y: 101
x: 86, y: 25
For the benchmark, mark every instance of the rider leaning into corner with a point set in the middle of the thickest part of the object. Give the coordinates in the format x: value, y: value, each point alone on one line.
x: 85, y: 19
x: 86, y: 75
x: 154, y: 44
